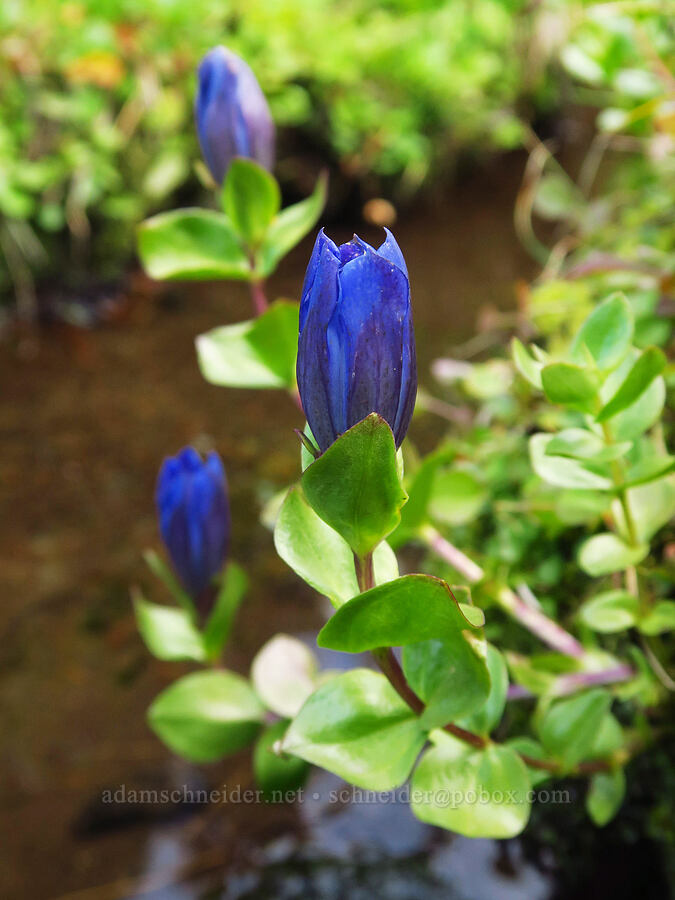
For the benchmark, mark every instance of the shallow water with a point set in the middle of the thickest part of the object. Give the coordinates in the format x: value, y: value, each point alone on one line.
x: 86, y: 420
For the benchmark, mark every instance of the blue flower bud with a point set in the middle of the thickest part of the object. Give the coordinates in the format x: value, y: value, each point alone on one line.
x: 194, y: 516
x: 231, y: 113
x: 356, y: 352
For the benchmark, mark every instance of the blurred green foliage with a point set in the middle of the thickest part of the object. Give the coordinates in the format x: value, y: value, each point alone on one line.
x: 95, y: 100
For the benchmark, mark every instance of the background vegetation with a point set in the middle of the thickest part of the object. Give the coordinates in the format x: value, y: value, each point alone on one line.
x: 96, y: 118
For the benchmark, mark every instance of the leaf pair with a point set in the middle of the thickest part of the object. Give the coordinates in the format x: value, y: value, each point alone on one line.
x: 245, y: 242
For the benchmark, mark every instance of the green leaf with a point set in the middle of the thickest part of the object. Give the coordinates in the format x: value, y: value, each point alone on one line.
x: 206, y: 715
x: 258, y: 353
x: 608, y: 738
x: 528, y: 367
x: 570, y: 385
x: 610, y: 611
x: 606, y: 553
x: 251, y: 199
x: 569, y: 728
x: 414, y: 514
x: 191, y: 244
x: 651, y: 505
x: 159, y: 568
x: 473, y: 614
x: 450, y: 676
x: 560, y: 471
x: 284, y: 674
x: 357, y: 727
x: 277, y: 775
x: 411, y: 609
x: 578, y: 443
x: 652, y: 468
x: 643, y: 412
x: 659, y: 619
x: 319, y: 555
x: 605, y: 795
x: 482, y: 794
x: 230, y: 595
x: 487, y: 717
x: 607, y: 333
x: 355, y: 486
x: 290, y: 227
x: 169, y: 633
x: 644, y: 370
x: 457, y: 497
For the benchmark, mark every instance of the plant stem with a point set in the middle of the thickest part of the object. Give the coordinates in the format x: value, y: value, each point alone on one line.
x: 391, y: 669
x: 548, y: 631
x: 622, y: 494
x: 572, y: 682
x: 531, y: 618
x: 258, y: 297
x: 447, y: 551
x: 365, y: 576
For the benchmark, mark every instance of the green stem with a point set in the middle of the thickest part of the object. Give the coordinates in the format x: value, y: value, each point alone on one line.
x: 622, y: 494
x: 391, y: 669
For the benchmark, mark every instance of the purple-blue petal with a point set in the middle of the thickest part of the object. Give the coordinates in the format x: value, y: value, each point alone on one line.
x: 390, y: 250
x: 231, y: 113
x: 356, y: 351
x: 194, y: 516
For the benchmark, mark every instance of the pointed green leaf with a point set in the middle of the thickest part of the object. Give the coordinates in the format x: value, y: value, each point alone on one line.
x: 659, y: 619
x: 607, y: 333
x: 159, y: 568
x: 561, y: 471
x: 319, y: 555
x: 450, y: 676
x: 484, y: 794
x: 258, y: 353
x: 528, y: 367
x: 652, y: 468
x: 578, y: 443
x: 486, y: 717
x: 643, y: 412
x: 191, y: 244
x: 652, y: 505
x: 169, y: 633
x: 355, y: 486
x: 569, y: 728
x: 290, y: 227
x: 230, y: 595
x: 570, y: 385
x: 411, y: 609
x: 605, y: 795
x: 206, y: 715
x: 644, y: 370
x: 251, y: 199
x: 357, y: 727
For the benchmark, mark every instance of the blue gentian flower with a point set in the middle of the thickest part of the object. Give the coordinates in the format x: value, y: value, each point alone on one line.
x: 231, y: 113
x: 356, y: 352
x: 194, y: 517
